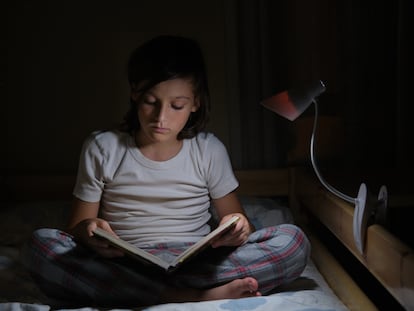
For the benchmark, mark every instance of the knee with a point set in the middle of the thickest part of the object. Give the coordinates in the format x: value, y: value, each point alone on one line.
x: 298, y: 238
x: 43, y: 234
x: 299, y: 245
x: 46, y: 243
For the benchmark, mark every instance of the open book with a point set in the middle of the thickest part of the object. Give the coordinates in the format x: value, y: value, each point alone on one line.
x: 146, y: 257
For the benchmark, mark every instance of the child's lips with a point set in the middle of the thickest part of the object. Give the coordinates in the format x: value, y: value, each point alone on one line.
x: 158, y: 129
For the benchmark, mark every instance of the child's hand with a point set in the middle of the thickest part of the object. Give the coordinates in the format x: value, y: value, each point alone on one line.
x: 83, y: 232
x: 236, y: 236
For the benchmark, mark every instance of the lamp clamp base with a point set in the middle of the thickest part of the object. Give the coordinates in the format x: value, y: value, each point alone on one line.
x: 368, y: 210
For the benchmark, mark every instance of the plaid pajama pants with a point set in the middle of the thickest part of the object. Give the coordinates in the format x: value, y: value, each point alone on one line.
x: 68, y: 271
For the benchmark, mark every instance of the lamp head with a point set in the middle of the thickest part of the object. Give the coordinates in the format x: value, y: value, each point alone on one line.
x: 292, y: 103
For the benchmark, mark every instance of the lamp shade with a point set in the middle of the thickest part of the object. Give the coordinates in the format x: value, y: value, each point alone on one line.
x: 292, y: 103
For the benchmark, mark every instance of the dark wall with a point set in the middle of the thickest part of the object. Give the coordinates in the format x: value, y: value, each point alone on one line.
x: 64, y: 74
x: 64, y: 71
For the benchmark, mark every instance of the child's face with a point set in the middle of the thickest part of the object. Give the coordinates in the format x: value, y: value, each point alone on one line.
x: 164, y: 110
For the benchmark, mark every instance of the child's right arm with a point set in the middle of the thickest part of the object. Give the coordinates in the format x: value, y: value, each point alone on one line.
x: 83, y: 220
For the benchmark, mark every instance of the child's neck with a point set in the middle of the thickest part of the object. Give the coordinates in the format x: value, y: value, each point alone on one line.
x: 159, y: 151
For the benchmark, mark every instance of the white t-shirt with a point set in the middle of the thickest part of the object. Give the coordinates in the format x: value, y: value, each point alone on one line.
x: 148, y: 202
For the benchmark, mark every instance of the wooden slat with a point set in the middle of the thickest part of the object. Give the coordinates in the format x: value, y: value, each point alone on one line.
x: 338, y: 279
x: 386, y: 257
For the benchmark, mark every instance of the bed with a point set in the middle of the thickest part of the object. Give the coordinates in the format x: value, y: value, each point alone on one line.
x: 269, y: 197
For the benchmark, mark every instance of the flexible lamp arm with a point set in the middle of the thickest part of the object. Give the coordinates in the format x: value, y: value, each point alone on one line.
x: 315, y: 167
x: 290, y: 105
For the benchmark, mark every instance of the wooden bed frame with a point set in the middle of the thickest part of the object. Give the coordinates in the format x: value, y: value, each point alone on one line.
x: 395, y: 269
x: 387, y: 258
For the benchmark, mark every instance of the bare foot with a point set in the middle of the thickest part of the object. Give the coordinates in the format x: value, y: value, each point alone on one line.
x: 239, y: 288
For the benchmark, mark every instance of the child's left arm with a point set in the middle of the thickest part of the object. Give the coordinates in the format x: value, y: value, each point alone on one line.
x: 226, y: 207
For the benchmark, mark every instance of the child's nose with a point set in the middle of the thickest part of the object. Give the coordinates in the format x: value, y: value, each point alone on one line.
x: 161, y: 112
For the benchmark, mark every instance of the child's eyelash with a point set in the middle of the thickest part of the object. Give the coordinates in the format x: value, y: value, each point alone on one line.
x: 150, y: 102
x: 177, y: 107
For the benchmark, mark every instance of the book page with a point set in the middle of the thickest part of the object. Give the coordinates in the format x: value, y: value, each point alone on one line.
x: 131, y: 249
x: 192, y: 250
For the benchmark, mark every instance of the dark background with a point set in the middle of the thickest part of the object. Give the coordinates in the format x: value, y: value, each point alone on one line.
x: 63, y: 76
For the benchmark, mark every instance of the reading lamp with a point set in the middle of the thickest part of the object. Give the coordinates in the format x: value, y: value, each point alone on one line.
x: 291, y: 104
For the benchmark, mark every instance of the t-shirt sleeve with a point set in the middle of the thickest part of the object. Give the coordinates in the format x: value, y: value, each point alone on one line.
x: 220, y: 176
x: 89, y: 182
